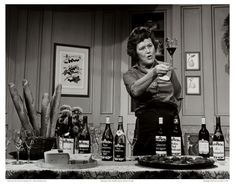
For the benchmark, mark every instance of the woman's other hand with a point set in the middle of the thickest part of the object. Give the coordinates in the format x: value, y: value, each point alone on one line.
x: 162, y: 69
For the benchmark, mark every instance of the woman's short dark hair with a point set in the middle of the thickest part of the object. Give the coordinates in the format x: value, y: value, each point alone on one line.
x: 137, y: 35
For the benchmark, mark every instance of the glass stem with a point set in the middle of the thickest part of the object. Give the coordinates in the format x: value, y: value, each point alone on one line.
x: 18, y: 156
x: 28, y: 155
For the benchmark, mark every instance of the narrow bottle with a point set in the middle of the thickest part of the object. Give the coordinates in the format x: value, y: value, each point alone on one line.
x: 176, y: 148
x: 160, y: 139
x: 120, y: 142
x: 84, y: 140
x: 107, y: 142
x: 203, y: 137
x: 218, y: 142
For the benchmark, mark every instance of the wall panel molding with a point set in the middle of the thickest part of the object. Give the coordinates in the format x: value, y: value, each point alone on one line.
x: 220, y: 61
x: 107, y: 72
x: 193, y: 105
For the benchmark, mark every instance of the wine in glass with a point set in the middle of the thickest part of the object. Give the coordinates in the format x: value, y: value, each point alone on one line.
x: 131, y: 139
x: 171, y: 45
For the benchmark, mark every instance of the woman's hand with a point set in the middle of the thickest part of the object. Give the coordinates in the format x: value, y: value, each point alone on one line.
x: 162, y: 69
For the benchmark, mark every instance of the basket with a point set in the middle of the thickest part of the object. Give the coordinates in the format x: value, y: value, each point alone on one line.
x: 38, y: 148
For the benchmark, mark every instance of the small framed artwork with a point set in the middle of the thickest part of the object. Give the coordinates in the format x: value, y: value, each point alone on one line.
x: 192, y: 61
x: 72, y: 69
x: 193, y: 85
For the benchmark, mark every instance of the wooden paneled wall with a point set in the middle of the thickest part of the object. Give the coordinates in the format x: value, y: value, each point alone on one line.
x: 202, y: 31
x: 31, y: 34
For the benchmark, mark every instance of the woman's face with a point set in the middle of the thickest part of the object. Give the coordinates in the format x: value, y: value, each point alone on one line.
x: 146, y: 52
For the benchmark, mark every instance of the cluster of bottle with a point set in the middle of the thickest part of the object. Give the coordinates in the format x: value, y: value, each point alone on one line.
x: 163, y: 140
x: 168, y: 144
x: 218, y: 144
x: 81, y: 143
x: 113, y: 146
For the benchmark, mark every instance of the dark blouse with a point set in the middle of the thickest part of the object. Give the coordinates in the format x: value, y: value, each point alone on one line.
x: 159, y: 90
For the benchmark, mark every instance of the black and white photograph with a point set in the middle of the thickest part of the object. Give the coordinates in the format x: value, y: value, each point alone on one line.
x: 117, y: 92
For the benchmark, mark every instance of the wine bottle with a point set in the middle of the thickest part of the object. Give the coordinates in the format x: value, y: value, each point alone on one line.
x: 176, y: 148
x: 107, y: 142
x: 120, y: 142
x: 218, y: 142
x: 203, y: 137
x: 84, y: 140
x: 160, y: 138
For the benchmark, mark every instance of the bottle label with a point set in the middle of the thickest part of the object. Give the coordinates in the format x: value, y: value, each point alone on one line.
x: 160, y: 145
x: 203, y: 146
x: 84, y: 146
x: 119, y: 152
x: 218, y: 150
x: 175, y: 145
x: 119, y: 133
x: 107, y: 150
x: 67, y: 144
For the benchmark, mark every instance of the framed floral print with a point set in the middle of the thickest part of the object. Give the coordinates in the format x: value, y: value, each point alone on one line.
x: 72, y: 69
x: 192, y: 60
x: 193, y: 85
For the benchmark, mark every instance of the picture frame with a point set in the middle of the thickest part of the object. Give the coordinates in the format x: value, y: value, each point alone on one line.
x: 192, y: 61
x: 193, y: 85
x: 72, y: 69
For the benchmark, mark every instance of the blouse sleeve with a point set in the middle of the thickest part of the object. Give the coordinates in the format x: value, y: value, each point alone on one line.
x: 129, y: 79
x: 176, y: 85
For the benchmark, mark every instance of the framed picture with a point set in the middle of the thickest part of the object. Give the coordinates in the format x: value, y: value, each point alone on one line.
x: 72, y: 69
x: 192, y: 61
x: 193, y: 86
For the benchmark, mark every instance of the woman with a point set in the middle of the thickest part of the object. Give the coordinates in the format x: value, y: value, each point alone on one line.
x: 153, y: 95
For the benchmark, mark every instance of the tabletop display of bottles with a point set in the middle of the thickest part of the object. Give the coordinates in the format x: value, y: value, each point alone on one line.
x: 84, y: 139
x: 113, y: 148
x: 203, y: 140
x: 120, y: 142
x: 218, y: 142
x: 176, y: 139
x: 168, y: 144
x: 107, y: 142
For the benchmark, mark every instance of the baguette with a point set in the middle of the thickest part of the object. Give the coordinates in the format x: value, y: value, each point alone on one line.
x: 30, y: 105
x: 44, y: 115
x: 48, y: 120
x: 55, y: 108
x: 20, y: 107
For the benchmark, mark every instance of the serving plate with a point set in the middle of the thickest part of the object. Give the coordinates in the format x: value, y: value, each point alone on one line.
x: 176, y: 162
x: 73, y: 164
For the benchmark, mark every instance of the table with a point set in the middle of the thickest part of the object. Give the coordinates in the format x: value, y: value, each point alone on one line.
x: 114, y: 170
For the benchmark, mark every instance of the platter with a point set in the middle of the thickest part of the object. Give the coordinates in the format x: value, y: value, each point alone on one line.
x: 72, y: 164
x: 176, y: 162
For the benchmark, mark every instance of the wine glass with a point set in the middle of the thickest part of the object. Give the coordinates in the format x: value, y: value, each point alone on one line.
x: 131, y: 139
x: 29, y: 137
x: 97, y: 141
x: 18, y: 142
x: 227, y: 136
x: 171, y: 45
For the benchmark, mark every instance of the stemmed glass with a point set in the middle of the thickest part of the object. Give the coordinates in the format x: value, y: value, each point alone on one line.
x: 131, y: 140
x: 171, y: 45
x: 18, y: 142
x: 29, y: 137
x: 227, y: 136
x: 97, y: 141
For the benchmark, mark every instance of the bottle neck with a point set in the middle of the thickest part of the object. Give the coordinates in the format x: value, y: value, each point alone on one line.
x: 203, y: 126
x: 218, y: 126
x: 85, y: 122
x: 120, y: 126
